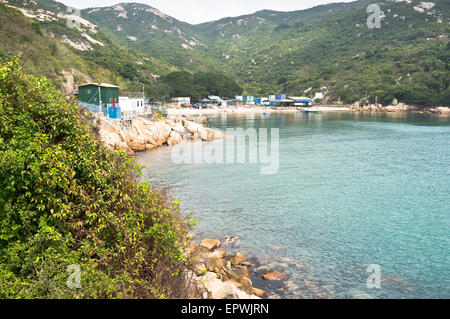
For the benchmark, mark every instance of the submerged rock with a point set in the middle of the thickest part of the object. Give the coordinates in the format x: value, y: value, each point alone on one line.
x: 315, y: 291
x: 259, y: 292
x: 232, y: 241
x: 274, y: 276
x: 276, y: 248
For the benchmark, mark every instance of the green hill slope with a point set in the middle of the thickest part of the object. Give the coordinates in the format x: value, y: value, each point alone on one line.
x: 149, y: 30
x: 39, y: 33
x: 327, y: 49
x: 331, y: 47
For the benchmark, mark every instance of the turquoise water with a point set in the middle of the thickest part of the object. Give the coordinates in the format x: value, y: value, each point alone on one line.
x: 352, y: 189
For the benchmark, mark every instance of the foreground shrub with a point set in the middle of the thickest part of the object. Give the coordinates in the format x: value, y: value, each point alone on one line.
x: 65, y: 200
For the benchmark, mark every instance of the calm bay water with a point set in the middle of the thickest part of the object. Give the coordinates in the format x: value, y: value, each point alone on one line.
x: 353, y: 189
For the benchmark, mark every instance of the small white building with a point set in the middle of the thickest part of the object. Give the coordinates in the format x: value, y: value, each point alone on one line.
x: 180, y: 101
x: 131, y: 104
x: 318, y: 96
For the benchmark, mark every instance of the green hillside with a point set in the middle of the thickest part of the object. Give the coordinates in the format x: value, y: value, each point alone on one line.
x: 70, y: 56
x: 327, y: 48
x: 331, y: 46
x: 146, y: 29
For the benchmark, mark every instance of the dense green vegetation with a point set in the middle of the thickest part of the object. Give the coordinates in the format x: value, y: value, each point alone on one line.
x: 147, y: 30
x: 331, y: 46
x: 42, y: 53
x: 325, y: 46
x: 65, y: 200
x: 297, y: 53
x: 196, y: 86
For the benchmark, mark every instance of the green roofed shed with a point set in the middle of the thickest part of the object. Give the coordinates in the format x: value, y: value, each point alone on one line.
x: 96, y: 93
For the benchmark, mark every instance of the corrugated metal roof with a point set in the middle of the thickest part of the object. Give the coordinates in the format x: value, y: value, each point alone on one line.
x: 105, y: 85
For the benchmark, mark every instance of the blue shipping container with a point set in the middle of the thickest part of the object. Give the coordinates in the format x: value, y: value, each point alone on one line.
x: 114, y: 112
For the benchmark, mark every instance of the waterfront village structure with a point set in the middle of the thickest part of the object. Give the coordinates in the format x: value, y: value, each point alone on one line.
x: 277, y: 100
x: 132, y: 104
x: 97, y: 97
x: 180, y: 101
x: 104, y: 98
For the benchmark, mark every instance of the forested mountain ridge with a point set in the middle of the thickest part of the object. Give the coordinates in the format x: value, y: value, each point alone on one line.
x: 71, y: 53
x: 328, y: 48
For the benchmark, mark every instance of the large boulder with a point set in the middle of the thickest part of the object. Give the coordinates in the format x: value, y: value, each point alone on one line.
x: 220, y: 289
x: 210, y: 243
x: 238, y: 258
x: 225, y: 290
x: 220, y: 253
x: 244, y: 284
x: 174, y: 138
x: 215, y: 264
x: 137, y: 146
x: 177, y: 126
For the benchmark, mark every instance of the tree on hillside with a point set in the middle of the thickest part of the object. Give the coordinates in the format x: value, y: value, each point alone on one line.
x: 66, y: 200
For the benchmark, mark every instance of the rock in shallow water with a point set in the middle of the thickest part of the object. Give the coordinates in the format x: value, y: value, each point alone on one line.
x: 276, y: 248
x: 232, y: 241
x: 259, y: 292
x: 275, y: 275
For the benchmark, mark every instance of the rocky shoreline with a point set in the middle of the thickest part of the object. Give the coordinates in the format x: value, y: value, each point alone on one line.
x: 213, y: 271
x: 399, y: 107
x: 220, y: 275
x: 142, y: 134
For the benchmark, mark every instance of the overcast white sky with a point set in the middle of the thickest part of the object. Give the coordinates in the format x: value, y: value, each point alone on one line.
x: 197, y: 11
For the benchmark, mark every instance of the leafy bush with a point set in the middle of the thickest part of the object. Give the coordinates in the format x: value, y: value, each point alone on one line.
x: 65, y: 199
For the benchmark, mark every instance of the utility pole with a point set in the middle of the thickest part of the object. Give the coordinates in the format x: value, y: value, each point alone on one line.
x: 100, y: 97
